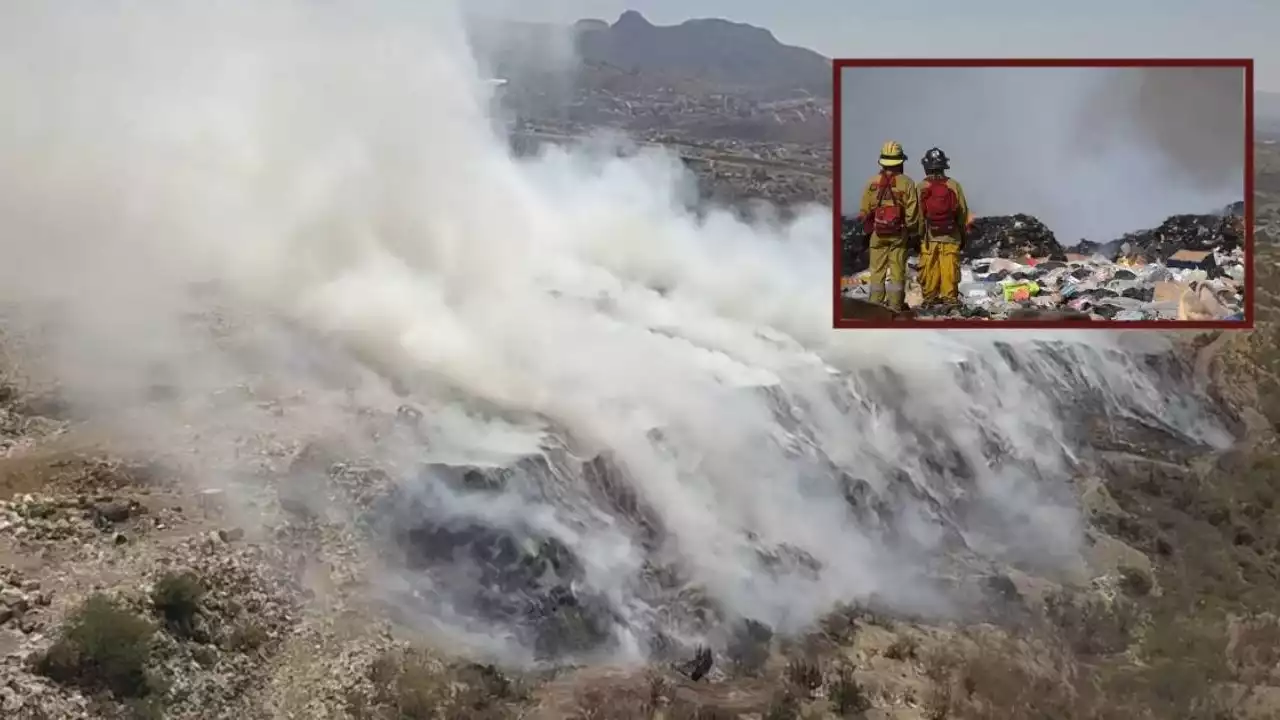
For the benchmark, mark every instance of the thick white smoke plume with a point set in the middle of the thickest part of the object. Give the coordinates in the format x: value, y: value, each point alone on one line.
x: 1092, y: 152
x: 209, y: 205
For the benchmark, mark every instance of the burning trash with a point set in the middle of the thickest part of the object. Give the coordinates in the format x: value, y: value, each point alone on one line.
x: 1191, y: 267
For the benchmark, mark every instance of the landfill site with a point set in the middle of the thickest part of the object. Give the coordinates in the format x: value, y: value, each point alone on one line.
x: 1191, y: 267
x: 320, y: 401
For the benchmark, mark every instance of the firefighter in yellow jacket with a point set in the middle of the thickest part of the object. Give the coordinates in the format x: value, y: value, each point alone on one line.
x: 945, y: 220
x: 890, y: 215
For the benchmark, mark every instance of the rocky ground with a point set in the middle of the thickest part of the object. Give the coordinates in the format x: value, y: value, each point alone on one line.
x: 729, y: 172
x: 128, y: 592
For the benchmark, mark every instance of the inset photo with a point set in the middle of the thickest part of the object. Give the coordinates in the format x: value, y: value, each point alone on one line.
x: 1040, y: 193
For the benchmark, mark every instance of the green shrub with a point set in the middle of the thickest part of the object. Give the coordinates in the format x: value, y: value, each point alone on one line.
x: 176, y: 598
x: 102, y: 647
x: 247, y: 637
x: 848, y: 698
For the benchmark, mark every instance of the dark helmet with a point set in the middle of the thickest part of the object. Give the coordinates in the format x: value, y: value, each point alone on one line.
x: 935, y: 160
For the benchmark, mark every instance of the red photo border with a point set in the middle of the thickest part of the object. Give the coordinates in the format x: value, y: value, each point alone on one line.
x: 1246, y: 64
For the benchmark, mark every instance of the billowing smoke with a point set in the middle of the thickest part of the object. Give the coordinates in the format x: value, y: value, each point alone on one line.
x: 230, y: 229
x: 1192, y: 118
x: 1092, y: 152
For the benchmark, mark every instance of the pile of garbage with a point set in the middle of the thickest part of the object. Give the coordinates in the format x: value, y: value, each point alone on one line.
x: 1180, y: 232
x: 1191, y: 267
x: 854, y: 255
x: 1011, y: 236
x: 1006, y: 236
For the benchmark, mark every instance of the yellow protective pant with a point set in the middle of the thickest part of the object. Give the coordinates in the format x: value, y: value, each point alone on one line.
x: 889, y: 271
x: 940, y: 271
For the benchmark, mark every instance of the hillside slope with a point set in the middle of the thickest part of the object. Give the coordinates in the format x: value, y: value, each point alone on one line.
x: 727, y: 55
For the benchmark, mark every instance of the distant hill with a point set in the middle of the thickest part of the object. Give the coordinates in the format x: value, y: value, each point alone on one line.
x: 717, y: 52
x: 698, y: 56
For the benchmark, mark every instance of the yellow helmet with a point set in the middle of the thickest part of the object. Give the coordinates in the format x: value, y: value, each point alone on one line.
x: 891, y: 154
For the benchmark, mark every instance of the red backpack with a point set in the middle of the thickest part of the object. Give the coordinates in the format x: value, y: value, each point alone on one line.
x: 885, y: 220
x: 940, y: 205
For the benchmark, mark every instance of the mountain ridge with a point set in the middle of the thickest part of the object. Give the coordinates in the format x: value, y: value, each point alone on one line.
x: 716, y: 53
x: 634, y: 44
x: 713, y: 49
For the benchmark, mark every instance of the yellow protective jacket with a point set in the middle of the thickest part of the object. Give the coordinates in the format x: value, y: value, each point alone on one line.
x: 908, y: 198
x: 964, y: 218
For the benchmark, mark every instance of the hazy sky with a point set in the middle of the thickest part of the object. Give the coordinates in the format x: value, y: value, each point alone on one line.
x: 973, y: 28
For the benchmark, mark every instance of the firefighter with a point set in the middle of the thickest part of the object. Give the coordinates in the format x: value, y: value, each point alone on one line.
x: 890, y: 216
x: 945, y: 220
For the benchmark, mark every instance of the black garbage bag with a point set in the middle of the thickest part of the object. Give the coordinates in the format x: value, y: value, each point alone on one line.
x: 1186, y: 232
x: 1012, y: 237
x: 855, y: 249
x: 1106, y: 311
x: 1142, y: 294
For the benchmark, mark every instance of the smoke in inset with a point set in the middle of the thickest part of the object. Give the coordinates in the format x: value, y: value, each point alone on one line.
x: 1192, y: 117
